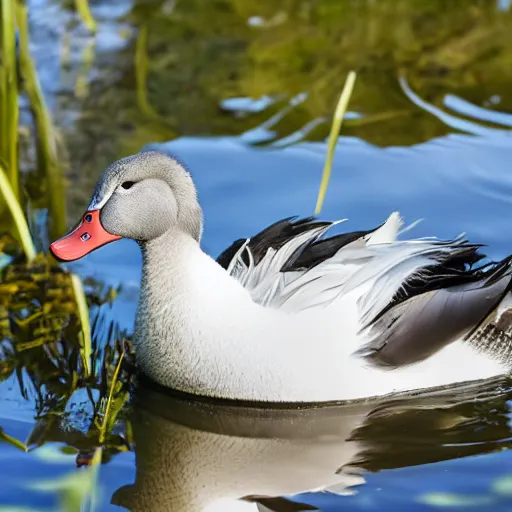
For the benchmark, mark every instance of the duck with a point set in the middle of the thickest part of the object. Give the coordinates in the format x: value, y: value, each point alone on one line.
x: 295, y: 314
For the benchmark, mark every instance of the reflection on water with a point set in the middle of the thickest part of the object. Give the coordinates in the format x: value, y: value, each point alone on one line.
x: 198, y: 55
x: 198, y: 456
x: 242, y: 91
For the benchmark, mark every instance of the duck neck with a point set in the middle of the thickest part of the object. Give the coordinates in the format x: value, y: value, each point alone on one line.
x: 185, y: 297
x: 166, y: 261
x: 170, y: 284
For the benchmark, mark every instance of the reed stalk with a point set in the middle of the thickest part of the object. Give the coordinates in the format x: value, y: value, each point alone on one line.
x: 14, y: 14
x: 107, y: 420
x: 11, y: 200
x: 333, y: 138
x: 82, y: 7
x: 13, y: 441
x: 9, y: 95
x: 46, y: 143
x: 85, y: 323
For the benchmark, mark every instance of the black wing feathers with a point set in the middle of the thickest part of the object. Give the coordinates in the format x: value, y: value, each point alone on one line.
x: 281, y: 232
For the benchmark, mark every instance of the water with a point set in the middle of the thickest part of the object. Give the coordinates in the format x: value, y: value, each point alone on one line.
x: 242, y: 93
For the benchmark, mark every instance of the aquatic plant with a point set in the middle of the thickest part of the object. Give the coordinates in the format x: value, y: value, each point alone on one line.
x: 46, y: 139
x: 53, y: 371
x: 41, y: 346
x: 46, y: 147
x: 337, y: 120
x: 141, y: 68
x: 141, y: 72
x: 9, y: 96
x: 9, y: 195
x: 85, y: 325
x: 45, y: 328
x: 82, y: 7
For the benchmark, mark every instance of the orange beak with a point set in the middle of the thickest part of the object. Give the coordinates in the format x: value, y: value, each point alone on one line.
x: 89, y: 235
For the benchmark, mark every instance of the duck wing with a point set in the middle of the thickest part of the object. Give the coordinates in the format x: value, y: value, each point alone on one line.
x: 413, y: 297
x: 290, y: 265
x: 445, y: 305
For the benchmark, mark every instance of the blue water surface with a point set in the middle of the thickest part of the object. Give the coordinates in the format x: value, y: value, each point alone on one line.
x: 450, y: 168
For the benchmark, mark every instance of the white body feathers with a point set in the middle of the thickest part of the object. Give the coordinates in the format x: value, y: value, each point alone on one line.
x: 258, y: 333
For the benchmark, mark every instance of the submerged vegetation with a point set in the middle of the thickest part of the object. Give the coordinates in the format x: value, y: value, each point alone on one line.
x: 46, y: 347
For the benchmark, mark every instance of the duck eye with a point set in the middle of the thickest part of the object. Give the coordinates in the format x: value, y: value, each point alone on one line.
x: 127, y: 184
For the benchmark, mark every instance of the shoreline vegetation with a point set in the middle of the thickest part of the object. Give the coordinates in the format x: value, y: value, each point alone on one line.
x: 44, y: 309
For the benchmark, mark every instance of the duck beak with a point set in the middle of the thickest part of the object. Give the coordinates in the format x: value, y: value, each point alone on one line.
x: 88, y: 236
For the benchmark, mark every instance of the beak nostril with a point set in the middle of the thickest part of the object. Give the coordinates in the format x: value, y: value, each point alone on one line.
x: 84, y: 238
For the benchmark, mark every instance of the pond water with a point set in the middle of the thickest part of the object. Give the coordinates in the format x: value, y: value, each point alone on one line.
x: 242, y: 92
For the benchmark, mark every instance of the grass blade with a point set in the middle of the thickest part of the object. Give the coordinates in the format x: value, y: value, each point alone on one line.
x: 17, y: 215
x: 47, y: 150
x: 83, y: 313
x: 9, y: 95
x: 82, y: 7
x: 13, y: 441
x: 106, y: 420
x: 333, y: 138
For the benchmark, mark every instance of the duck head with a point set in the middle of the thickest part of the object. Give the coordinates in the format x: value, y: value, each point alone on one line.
x: 139, y: 197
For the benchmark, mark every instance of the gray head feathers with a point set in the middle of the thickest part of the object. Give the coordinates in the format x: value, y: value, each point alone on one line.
x: 148, y: 167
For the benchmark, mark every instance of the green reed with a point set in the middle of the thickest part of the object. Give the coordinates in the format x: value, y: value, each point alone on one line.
x: 82, y: 7
x: 85, y: 324
x: 17, y: 214
x: 141, y: 72
x: 48, y: 158
x: 43, y: 308
x: 8, y: 95
x: 48, y: 161
x: 339, y: 113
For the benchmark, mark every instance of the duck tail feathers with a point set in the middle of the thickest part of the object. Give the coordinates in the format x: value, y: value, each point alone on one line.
x: 472, y: 305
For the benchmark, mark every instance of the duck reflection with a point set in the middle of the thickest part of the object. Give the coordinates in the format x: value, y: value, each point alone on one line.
x: 202, y: 456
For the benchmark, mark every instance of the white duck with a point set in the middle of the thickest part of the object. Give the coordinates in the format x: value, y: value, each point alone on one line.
x: 289, y: 315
